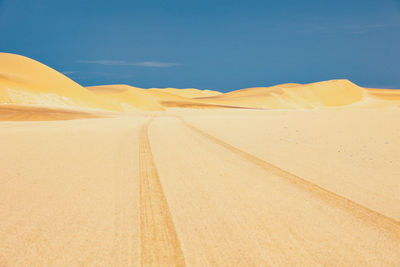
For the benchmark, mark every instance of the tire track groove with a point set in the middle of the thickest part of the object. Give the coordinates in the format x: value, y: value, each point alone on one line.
x: 363, y: 213
x: 160, y: 245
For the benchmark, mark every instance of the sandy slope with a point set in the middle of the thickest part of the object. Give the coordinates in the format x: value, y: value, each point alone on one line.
x: 385, y: 94
x: 128, y: 97
x: 187, y: 92
x: 293, y: 96
x: 133, y: 98
x: 24, y: 81
x: 218, y: 188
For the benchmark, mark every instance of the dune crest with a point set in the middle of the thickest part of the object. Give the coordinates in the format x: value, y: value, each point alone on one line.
x: 134, y: 98
x: 289, y: 96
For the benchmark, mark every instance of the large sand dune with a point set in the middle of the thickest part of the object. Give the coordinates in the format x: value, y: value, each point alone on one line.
x: 24, y: 81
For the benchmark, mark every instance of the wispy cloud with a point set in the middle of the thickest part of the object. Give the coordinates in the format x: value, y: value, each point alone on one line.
x: 326, y: 27
x: 68, y: 72
x: 94, y: 74
x: 366, y: 28
x: 156, y: 64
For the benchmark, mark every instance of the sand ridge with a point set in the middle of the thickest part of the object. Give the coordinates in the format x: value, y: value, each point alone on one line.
x: 292, y: 96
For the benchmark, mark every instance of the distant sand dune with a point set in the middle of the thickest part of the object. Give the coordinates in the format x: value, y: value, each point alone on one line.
x: 292, y: 96
x: 187, y: 92
x: 253, y: 91
x: 197, y: 105
x: 128, y: 97
x: 151, y: 99
x: 384, y: 94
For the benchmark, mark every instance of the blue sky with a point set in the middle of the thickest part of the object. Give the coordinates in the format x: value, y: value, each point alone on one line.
x: 220, y: 44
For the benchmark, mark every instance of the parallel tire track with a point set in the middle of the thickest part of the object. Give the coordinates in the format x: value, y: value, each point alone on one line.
x: 363, y: 213
x: 159, y: 242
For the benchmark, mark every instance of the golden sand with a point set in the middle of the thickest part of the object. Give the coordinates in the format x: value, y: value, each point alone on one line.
x: 385, y: 94
x: 37, y: 113
x: 128, y: 97
x: 203, y: 188
x: 289, y: 175
x: 293, y: 96
x: 24, y: 81
x: 187, y: 92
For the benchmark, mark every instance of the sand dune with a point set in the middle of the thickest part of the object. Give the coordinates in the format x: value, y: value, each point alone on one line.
x: 292, y: 96
x: 24, y: 81
x: 170, y: 100
x: 187, y: 92
x: 127, y: 97
x: 384, y: 94
x: 131, y: 98
x: 254, y: 91
x: 333, y: 93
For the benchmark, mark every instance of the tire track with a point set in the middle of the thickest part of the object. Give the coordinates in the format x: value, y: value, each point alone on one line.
x: 159, y: 242
x: 118, y: 205
x: 365, y: 214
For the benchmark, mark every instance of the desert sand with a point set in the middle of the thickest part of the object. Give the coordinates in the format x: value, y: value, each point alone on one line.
x: 187, y: 92
x: 116, y: 175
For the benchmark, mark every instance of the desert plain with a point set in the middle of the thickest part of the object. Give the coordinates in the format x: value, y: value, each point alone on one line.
x: 116, y: 175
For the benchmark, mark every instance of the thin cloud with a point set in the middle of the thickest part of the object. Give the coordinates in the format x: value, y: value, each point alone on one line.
x: 367, y: 26
x: 360, y: 29
x: 68, y: 72
x: 346, y: 28
x: 91, y: 74
x: 156, y: 64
